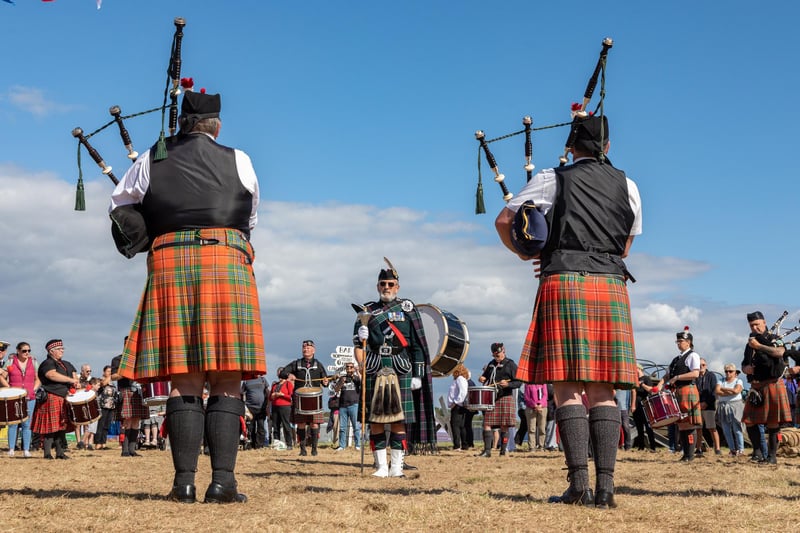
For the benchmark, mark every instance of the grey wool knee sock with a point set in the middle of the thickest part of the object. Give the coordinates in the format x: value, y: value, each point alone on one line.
x: 573, y: 426
x: 604, y: 425
x: 223, y: 427
x: 185, y: 418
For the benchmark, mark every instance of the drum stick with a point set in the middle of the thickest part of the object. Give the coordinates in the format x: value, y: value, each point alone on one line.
x: 78, y: 134
x: 480, y: 136
x: 123, y: 132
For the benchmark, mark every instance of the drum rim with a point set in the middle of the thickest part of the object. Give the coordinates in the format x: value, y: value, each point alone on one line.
x: 446, y: 340
x: 23, y: 393
x: 82, y: 393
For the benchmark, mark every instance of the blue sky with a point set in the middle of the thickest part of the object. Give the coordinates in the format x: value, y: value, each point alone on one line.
x: 359, y: 118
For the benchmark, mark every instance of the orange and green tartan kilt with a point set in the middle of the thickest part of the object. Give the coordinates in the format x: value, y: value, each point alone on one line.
x: 773, y: 411
x: 51, y: 416
x: 504, y: 413
x: 689, y: 402
x: 580, y: 332
x: 199, y: 311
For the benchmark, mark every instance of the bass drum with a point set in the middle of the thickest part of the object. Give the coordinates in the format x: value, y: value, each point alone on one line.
x: 447, y: 336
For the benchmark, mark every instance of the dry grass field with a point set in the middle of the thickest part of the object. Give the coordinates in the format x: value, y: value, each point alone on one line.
x: 451, y: 491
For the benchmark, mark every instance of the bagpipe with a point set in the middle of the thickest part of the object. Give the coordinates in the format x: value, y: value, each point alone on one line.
x: 171, y: 90
x: 775, y: 330
x: 529, y: 231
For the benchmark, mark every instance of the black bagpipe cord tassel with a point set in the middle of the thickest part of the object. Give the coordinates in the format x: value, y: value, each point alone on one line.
x: 480, y: 207
x: 80, y: 195
x: 161, y: 148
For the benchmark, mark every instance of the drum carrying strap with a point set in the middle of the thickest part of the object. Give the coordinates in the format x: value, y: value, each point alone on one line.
x: 386, y: 406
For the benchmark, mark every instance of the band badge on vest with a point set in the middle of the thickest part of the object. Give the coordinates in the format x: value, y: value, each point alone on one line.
x: 407, y: 306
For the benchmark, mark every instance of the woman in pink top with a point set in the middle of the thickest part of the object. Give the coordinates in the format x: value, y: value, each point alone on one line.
x: 22, y: 375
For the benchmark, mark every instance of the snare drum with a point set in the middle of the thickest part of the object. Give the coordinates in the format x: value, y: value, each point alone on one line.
x: 662, y: 409
x: 13, y: 406
x: 156, y: 393
x: 308, y: 401
x: 480, y: 398
x: 83, y: 408
x: 447, y: 336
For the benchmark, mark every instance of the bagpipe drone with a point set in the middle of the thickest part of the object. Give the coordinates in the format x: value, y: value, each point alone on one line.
x: 529, y: 231
x: 171, y: 90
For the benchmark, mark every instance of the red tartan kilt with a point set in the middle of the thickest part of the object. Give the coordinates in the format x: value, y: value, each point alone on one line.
x: 689, y: 401
x: 774, y: 411
x: 504, y: 413
x: 199, y: 311
x: 132, y: 405
x: 302, y: 420
x: 51, y: 416
x: 580, y: 332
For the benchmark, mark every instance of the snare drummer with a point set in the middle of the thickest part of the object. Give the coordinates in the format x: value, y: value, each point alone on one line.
x: 501, y: 373
x: 50, y: 418
x: 308, y: 372
x: 683, y: 371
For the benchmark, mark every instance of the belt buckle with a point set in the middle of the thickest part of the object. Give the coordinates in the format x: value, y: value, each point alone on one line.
x: 385, y: 350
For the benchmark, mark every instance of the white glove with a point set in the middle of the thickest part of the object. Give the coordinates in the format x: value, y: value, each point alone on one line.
x: 363, y: 333
x: 416, y: 383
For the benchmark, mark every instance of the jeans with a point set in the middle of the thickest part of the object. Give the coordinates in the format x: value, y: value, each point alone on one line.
x: 349, y: 416
x: 26, y: 430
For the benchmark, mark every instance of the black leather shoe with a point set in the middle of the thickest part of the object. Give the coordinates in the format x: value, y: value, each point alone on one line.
x: 216, y: 493
x: 49, y: 457
x: 485, y: 453
x: 62, y: 457
x: 575, y: 497
x: 183, y: 494
x: 303, y: 452
x: 502, y: 451
x: 605, y: 500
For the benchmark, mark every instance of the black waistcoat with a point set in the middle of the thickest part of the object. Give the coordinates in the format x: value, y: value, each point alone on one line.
x: 196, y: 186
x: 590, y: 221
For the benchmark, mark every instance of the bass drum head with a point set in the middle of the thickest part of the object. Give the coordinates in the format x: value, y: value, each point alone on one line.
x: 447, y: 337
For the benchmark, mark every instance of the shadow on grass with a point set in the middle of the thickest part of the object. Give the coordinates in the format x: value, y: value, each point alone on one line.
x: 78, y: 494
x: 635, y: 491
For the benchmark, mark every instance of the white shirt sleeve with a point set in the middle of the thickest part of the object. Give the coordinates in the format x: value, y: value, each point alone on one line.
x: 636, y: 205
x: 541, y: 190
x: 247, y: 175
x: 133, y: 185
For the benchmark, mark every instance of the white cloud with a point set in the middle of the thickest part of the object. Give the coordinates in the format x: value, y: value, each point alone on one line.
x: 63, y: 278
x: 34, y: 101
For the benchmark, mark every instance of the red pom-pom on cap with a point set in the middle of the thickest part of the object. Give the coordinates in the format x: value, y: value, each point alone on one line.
x: 685, y: 328
x: 202, y: 90
x: 575, y: 106
x: 187, y: 83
